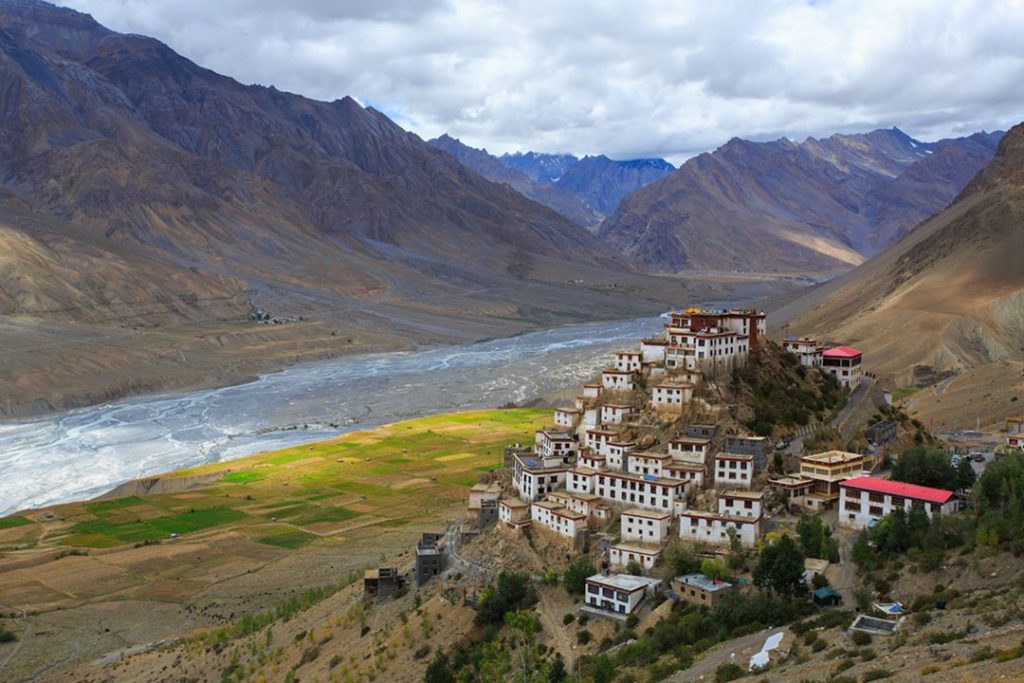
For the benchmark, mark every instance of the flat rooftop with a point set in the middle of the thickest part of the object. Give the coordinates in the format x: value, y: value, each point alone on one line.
x: 649, y: 514
x: 654, y: 550
x: 703, y: 582
x: 832, y: 458
x: 738, y: 493
x: 626, y: 582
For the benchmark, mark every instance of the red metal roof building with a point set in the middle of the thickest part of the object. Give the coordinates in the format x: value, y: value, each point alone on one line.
x: 843, y: 362
x: 864, y: 500
x: 899, y: 488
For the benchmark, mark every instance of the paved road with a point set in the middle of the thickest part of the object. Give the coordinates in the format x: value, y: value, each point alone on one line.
x: 720, y: 654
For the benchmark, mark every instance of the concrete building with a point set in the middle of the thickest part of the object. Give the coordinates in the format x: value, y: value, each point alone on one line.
x: 533, y: 478
x: 714, y: 352
x: 746, y: 444
x: 615, y: 413
x: 734, y: 470
x: 550, y: 443
x: 1015, y: 432
x: 702, y: 431
x: 816, y: 487
x: 647, y: 463
x: 881, y: 433
x: 381, y: 582
x: 645, y: 526
x: 864, y: 499
x: 617, y: 453
x: 690, y: 472
x: 430, y: 560
x: 513, y: 512
x: 628, y: 361
x: 711, y: 527
x: 741, y: 504
x: 748, y: 323
x: 592, y: 390
x: 653, y: 351
x: 805, y: 349
x: 689, y: 446
x: 617, y: 380
x: 562, y: 521
x: 621, y: 554
x: 698, y: 589
x: 618, y: 593
x: 586, y: 504
x: 644, y: 491
x: 568, y: 418
x: 844, y: 363
x: 671, y: 396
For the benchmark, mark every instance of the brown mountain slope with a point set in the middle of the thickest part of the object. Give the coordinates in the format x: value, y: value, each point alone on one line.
x: 815, y: 206
x: 949, y: 295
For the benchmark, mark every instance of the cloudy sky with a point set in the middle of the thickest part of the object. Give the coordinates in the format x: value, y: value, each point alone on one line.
x: 635, y: 78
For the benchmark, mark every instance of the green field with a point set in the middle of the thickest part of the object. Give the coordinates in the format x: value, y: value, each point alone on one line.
x: 13, y: 521
x: 417, y: 470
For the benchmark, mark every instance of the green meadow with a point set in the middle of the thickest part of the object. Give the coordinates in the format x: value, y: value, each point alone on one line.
x: 414, y: 471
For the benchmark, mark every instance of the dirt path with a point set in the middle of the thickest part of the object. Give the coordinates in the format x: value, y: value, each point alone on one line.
x: 722, y: 654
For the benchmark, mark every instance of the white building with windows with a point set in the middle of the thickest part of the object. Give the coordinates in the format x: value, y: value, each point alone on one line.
x: 628, y: 361
x: 647, y: 463
x: 534, y: 477
x: 741, y: 504
x: 734, y: 470
x: 555, y: 444
x: 643, y: 491
x: 615, y: 413
x: 592, y: 390
x: 866, y: 499
x: 617, y: 452
x: 684, y: 470
x: 617, y: 380
x: 844, y: 363
x: 671, y: 396
x: 621, y: 554
x: 689, y: 447
x: 805, y: 349
x: 568, y: 418
x: 712, y: 351
x: 653, y: 351
x: 554, y: 516
x: 645, y: 526
x: 618, y: 593
x: 711, y: 527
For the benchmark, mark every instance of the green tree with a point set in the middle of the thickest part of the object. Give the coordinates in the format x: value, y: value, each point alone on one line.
x: 964, y: 474
x: 580, y: 569
x: 633, y: 567
x: 557, y: 673
x: 439, y: 670
x: 780, y: 568
x: 511, y: 592
x: 925, y: 467
x: 603, y: 670
x: 714, y: 569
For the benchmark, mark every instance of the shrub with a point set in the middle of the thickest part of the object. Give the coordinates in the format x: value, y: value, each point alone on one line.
x: 875, y: 675
x: 861, y: 638
x: 6, y: 636
x: 583, y: 637
x: 728, y: 672
x: 568, y: 618
x: 819, y: 645
x: 867, y: 654
x: 632, y: 620
x: 922, y: 618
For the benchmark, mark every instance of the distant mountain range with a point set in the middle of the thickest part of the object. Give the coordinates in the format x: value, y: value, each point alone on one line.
x: 115, y: 149
x: 818, y: 205
x: 947, y: 297
x: 583, y: 190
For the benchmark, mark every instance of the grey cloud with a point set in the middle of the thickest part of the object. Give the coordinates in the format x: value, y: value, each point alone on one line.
x: 640, y: 78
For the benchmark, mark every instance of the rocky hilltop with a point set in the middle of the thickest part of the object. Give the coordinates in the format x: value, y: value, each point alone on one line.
x: 814, y: 206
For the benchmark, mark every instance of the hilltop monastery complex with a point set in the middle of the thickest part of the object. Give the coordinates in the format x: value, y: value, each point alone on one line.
x: 583, y: 472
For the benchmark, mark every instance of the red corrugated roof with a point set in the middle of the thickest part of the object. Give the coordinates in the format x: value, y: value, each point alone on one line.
x: 842, y: 352
x: 898, y: 488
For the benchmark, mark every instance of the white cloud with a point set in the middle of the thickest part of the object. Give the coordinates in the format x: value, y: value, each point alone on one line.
x: 636, y: 78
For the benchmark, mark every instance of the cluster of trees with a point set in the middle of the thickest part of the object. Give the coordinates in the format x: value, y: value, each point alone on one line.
x: 816, y: 538
x: 999, y: 504
x: 511, y: 592
x: 931, y: 467
x: 780, y: 568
